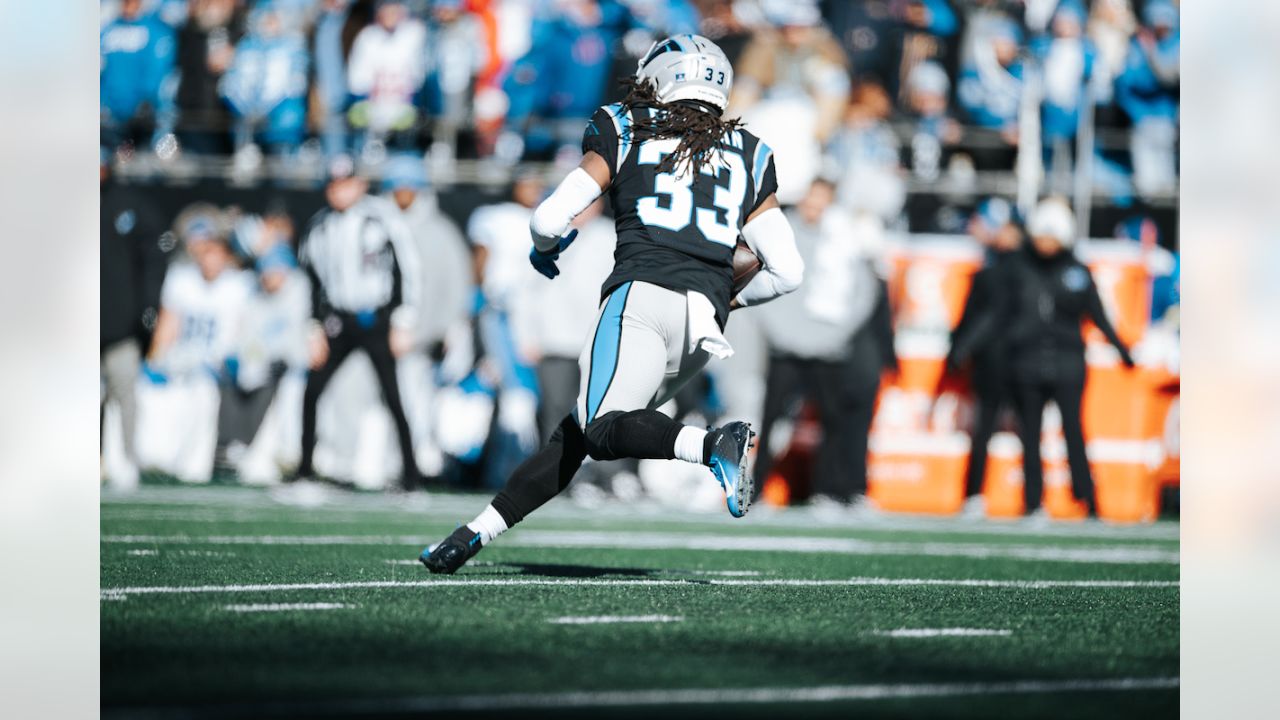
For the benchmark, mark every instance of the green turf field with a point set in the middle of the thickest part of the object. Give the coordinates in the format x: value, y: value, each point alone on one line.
x: 224, y: 601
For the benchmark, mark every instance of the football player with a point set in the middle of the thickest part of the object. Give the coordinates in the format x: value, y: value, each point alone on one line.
x: 202, y: 311
x: 684, y: 183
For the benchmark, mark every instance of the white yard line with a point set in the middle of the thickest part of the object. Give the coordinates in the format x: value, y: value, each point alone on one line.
x: 1115, y: 554
x: 284, y: 607
x: 611, y: 619
x: 792, y: 519
x: 843, y: 546
x: 116, y: 593
x: 942, y: 632
x: 212, y: 505
x: 691, y: 696
x: 142, y: 553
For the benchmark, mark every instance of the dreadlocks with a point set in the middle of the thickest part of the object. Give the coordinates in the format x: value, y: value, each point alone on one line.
x: 700, y: 132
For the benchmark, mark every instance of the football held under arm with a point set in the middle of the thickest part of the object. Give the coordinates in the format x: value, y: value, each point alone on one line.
x: 770, y: 236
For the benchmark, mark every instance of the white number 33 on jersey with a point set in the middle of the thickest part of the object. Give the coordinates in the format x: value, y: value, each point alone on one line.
x: 680, y: 210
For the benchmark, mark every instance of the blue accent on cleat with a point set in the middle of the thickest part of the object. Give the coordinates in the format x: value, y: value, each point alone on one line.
x: 729, y: 464
x: 453, y: 552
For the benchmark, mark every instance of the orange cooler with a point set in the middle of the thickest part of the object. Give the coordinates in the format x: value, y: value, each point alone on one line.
x: 1002, y: 485
x: 917, y: 473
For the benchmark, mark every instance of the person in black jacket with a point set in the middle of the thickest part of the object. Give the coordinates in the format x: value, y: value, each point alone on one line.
x: 994, y: 226
x: 1051, y: 293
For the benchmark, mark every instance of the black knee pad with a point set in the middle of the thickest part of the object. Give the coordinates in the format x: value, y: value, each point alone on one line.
x: 598, y: 434
x: 636, y: 434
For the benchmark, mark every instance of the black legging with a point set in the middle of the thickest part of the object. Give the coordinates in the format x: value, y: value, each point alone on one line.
x: 1066, y: 391
x: 991, y: 393
x: 374, y: 341
x: 635, y: 434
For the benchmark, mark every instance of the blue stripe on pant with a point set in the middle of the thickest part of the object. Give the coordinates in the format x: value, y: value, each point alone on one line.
x: 604, y: 350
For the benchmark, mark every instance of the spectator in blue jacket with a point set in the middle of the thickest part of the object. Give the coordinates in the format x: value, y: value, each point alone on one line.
x: 1066, y: 57
x: 266, y: 85
x: 565, y: 73
x: 137, y: 52
x: 990, y: 85
x: 1147, y: 91
x: 664, y: 17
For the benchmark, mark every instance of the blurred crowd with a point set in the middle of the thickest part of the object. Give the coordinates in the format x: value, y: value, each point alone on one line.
x: 887, y: 90
x: 226, y: 350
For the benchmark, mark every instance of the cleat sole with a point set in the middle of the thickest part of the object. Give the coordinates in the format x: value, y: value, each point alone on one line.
x: 746, y: 484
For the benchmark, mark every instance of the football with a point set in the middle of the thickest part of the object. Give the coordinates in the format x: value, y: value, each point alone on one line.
x: 745, y: 266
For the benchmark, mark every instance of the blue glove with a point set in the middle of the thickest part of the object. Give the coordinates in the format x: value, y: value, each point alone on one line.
x: 152, y: 374
x: 545, y: 263
x: 230, y: 369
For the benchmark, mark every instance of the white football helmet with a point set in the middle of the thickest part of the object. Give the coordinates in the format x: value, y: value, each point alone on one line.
x: 688, y: 67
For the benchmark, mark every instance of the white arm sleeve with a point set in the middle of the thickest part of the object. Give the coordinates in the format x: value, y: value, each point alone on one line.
x: 551, y: 219
x: 771, y: 237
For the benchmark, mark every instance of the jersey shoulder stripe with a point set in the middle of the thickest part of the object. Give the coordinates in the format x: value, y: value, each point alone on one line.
x: 763, y: 155
x: 621, y: 116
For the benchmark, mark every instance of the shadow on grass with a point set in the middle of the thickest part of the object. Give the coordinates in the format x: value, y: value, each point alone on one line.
x: 558, y: 570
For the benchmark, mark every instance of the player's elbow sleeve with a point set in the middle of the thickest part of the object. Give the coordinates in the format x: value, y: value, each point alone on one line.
x: 775, y: 242
x: 789, y: 274
x: 784, y: 261
x: 551, y: 218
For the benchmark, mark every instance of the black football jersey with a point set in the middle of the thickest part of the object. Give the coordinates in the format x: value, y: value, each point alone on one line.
x: 678, y: 230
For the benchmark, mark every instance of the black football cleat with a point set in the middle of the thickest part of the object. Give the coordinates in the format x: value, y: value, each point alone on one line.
x: 729, y: 445
x: 453, y: 552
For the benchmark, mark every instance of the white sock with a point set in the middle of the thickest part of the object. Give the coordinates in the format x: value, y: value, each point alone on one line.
x: 489, y: 524
x: 689, y: 444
